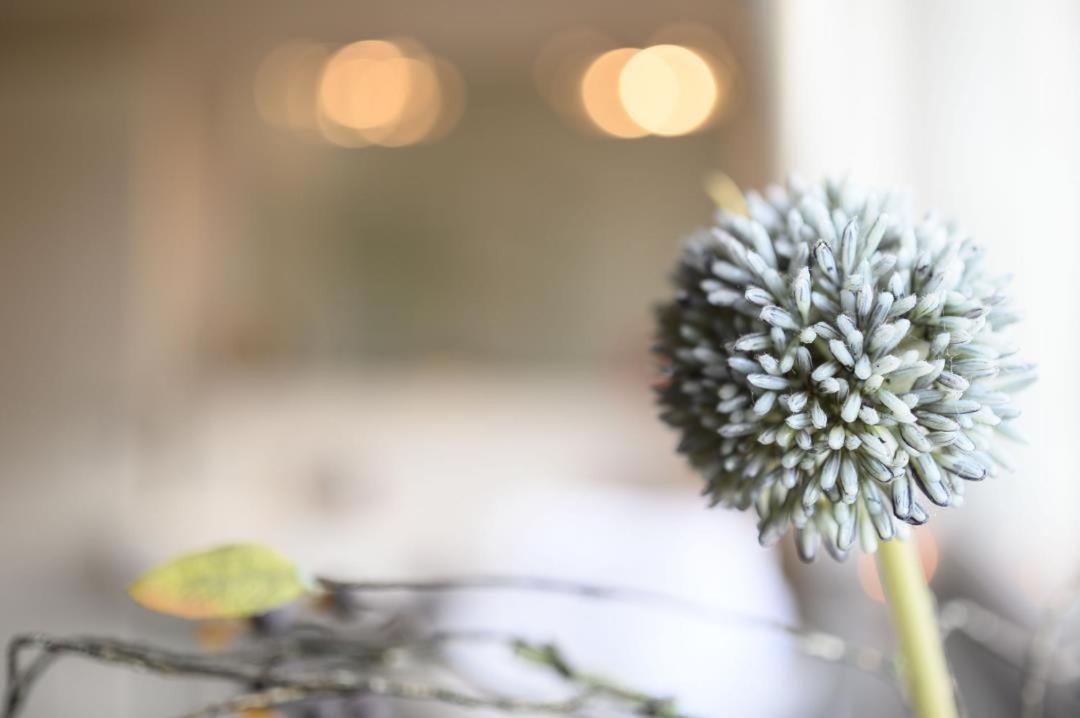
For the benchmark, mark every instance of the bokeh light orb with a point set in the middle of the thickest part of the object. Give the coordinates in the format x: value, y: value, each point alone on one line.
x: 600, y: 94
x: 668, y: 90
x: 365, y: 85
x: 387, y: 92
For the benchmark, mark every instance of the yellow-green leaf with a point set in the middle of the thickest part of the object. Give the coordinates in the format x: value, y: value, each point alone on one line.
x: 232, y: 581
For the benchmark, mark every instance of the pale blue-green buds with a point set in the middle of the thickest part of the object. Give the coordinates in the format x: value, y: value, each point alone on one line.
x: 831, y: 363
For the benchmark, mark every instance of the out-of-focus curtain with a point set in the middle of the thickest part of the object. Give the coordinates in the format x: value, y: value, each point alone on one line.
x: 974, y: 107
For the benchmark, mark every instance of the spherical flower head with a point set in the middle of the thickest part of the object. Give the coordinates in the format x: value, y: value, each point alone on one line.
x: 835, y: 365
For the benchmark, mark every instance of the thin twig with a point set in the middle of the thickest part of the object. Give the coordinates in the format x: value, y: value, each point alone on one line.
x: 314, y: 661
x: 290, y: 685
x: 816, y: 644
x: 1042, y: 653
x: 1002, y: 638
x: 1034, y: 655
x: 283, y: 695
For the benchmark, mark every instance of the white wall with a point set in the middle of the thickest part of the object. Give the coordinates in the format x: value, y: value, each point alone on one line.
x: 975, y: 108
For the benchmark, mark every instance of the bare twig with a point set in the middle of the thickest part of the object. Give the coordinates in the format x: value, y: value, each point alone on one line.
x: 1037, y: 656
x: 290, y: 684
x: 1042, y: 653
x: 999, y: 636
x: 284, y: 695
x: 312, y: 661
x: 816, y: 644
x: 143, y: 657
x: 542, y: 584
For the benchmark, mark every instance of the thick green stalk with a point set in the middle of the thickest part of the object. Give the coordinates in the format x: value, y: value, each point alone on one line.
x: 921, y: 653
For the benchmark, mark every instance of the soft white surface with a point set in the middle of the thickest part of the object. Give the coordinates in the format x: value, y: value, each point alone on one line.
x: 974, y: 108
x: 662, y: 543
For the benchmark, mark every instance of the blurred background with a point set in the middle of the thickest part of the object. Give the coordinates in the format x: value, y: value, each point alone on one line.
x: 372, y: 283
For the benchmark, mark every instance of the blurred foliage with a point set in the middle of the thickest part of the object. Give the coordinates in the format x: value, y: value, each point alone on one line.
x: 234, y: 581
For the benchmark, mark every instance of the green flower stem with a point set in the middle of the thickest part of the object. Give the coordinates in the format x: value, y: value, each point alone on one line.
x: 921, y: 653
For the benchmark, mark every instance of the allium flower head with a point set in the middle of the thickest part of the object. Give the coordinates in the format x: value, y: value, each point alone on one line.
x: 834, y: 365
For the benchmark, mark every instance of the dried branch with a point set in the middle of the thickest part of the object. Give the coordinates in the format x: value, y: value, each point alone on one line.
x: 284, y: 695
x: 996, y: 634
x: 1042, y: 653
x: 293, y: 684
x: 315, y: 661
x: 1037, y: 656
x: 815, y: 644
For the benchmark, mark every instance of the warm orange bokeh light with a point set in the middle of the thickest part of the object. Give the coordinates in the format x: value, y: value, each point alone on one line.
x: 681, y: 83
x: 340, y: 135
x: 668, y: 89
x: 600, y: 94
x: 710, y: 46
x: 365, y: 85
x: 373, y: 92
x: 420, y: 112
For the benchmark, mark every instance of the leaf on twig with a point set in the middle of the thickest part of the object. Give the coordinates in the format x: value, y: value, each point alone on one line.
x: 234, y: 581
